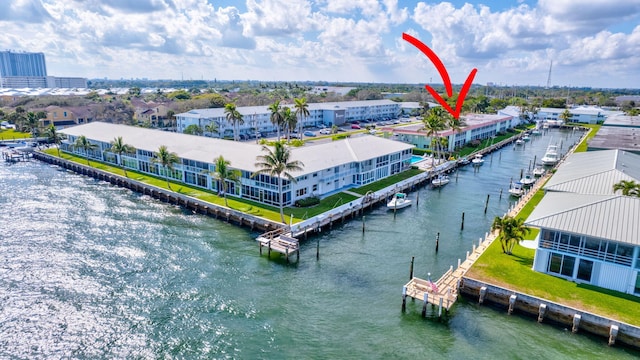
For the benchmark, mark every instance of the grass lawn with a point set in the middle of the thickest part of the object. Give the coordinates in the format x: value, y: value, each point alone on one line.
x: 243, y: 205
x: 11, y: 134
x: 515, y: 272
x: 583, y: 145
x: 381, y: 184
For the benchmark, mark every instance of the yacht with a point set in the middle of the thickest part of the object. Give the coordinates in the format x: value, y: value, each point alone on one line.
x: 551, y: 156
x: 477, y: 160
x: 399, y: 201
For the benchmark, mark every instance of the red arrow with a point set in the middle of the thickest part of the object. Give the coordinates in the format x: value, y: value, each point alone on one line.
x: 445, y: 77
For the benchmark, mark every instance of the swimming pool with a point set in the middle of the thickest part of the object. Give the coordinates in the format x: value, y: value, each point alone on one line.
x: 416, y: 159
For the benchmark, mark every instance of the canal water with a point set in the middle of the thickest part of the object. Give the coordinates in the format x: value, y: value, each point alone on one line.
x: 90, y: 270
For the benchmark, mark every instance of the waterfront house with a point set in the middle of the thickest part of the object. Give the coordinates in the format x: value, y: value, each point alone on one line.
x: 580, y: 114
x: 66, y: 116
x: 588, y: 233
x: 328, y: 167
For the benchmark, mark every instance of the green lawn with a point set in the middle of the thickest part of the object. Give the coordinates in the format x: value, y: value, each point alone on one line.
x: 11, y: 134
x: 514, y: 272
x: 583, y: 145
x: 243, y: 205
x: 375, y: 186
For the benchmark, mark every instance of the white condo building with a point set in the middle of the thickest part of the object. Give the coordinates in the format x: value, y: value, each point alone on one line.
x: 258, y: 118
x: 328, y: 167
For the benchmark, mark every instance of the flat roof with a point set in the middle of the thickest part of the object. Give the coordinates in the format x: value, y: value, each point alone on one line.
x: 242, y: 155
x: 472, y: 121
x: 615, y: 137
x: 263, y: 109
x: 622, y: 120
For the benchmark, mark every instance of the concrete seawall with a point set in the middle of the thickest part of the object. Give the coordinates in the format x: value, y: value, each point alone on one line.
x: 197, y: 205
x: 547, y: 311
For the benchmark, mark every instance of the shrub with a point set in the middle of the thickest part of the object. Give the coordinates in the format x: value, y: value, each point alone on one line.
x: 308, y: 201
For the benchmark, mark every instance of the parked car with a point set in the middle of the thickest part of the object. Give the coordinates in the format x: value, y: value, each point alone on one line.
x: 309, y: 133
x: 355, y: 126
x: 325, y: 131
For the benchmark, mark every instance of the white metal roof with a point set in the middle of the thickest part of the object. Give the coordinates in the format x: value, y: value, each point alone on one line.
x: 602, y: 216
x: 595, y: 172
x: 242, y: 155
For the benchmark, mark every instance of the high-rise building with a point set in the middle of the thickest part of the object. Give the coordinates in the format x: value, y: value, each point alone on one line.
x: 29, y: 70
x: 22, y: 64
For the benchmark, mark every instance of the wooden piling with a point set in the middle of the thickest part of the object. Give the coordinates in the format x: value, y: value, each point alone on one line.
x: 437, y: 241
x: 318, y: 249
x: 486, y: 204
x: 462, y: 223
x: 363, y: 221
x: 411, y: 268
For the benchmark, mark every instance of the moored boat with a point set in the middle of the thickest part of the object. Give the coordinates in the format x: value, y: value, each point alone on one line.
x: 399, y: 201
x: 528, y: 179
x: 477, y: 160
x: 538, y: 171
x: 551, y: 156
x: 516, y: 189
x: 441, y: 180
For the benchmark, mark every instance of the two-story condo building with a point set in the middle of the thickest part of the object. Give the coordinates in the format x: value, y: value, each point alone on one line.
x: 328, y: 167
x: 258, y: 118
x: 588, y: 233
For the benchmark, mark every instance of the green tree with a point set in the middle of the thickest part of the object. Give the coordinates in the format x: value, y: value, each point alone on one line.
x: 566, y: 116
x: 54, y: 137
x: 83, y: 143
x: 224, y: 173
x: 211, y: 128
x: 302, y: 112
x: 276, y: 116
x: 193, y: 129
x: 434, y: 122
x: 512, y: 231
x: 278, y: 163
x: 290, y: 120
x: 171, y: 116
x: 165, y: 159
x: 628, y: 188
x: 234, y: 118
x: 118, y: 147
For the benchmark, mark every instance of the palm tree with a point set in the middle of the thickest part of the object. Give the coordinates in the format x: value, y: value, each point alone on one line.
x: 565, y: 116
x: 211, y: 128
x: 302, y: 111
x: 512, y: 231
x: 166, y: 159
x: 433, y: 123
x: 277, y: 162
x: 118, y: 147
x: 171, y: 116
x: 85, y: 145
x: 628, y: 188
x: 54, y: 137
x: 224, y: 173
x: 290, y: 120
x: 276, y: 116
x: 234, y: 118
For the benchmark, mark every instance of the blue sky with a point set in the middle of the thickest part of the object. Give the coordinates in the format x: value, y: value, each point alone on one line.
x: 591, y: 42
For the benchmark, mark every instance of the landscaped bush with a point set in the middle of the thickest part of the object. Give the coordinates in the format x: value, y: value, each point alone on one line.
x: 308, y: 201
x: 340, y: 136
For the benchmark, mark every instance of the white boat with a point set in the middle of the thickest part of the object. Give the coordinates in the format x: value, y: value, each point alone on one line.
x: 538, y: 171
x: 441, y: 180
x: 528, y: 179
x: 477, y: 160
x: 516, y: 189
x: 536, y: 132
x: 551, y: 156
x: 464, y: 161
x: 399, y: 201
x: 520, y: 142
x: 526, y: 137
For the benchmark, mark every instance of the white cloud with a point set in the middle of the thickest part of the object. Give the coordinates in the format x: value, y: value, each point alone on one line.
x: 29, y: 11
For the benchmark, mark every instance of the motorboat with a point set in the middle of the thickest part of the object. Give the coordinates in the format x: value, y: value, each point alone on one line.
x: 464, y: 161
x: 536, y: 132
x: 538, y: 171
x: 551, y: 156
x: 399, y: 201
x: 516, y: 189
x: 528, y: 179
x: 526, y: 137
x: 477, y: 160
x: 520, y: 142
x: 441, y: 180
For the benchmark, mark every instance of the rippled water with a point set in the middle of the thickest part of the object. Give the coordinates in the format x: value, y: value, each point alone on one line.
x: 89, y: 270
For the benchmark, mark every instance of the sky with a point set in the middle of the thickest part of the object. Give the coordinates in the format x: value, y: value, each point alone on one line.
x: 591, y: 43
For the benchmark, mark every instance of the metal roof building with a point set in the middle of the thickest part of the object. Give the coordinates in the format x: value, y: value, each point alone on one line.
x: 328, y: 167
x: 587, y: 232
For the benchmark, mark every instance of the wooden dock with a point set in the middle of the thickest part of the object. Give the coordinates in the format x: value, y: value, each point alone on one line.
x: 281, y: 242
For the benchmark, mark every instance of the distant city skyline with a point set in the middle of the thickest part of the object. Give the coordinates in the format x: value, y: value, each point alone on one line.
x: 592, y: 43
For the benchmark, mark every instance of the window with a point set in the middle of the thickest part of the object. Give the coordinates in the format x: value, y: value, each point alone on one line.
x: 561, y: 264
x: 585, y: 267
x: 315, y: 187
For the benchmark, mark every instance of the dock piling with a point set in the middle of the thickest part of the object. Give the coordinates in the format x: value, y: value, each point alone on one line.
x: 576, y: 323
x: 462, y: 223
x: 363, y: 221
x: 411, y: 268
x: 437, y: 241
x: 404, y: 298
x: 486, y: 204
